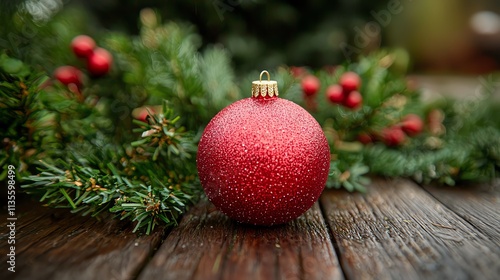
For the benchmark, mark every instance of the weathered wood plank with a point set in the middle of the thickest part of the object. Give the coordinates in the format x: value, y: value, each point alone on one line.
x: 55, y: 244
x: 397, y: 230
x: 477, y: 204
x: 207, y: 245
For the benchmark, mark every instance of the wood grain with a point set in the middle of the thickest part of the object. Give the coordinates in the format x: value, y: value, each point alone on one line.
x: 397, y: 230
x: 207, y: 245
x: 477, y: 204
x: 55, y: 244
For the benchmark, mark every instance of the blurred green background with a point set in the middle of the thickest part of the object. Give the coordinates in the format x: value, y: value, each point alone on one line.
x: 451, y: 36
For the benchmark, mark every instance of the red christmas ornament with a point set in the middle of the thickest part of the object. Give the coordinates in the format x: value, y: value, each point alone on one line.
x: 393, y: 136
x: 353, y: 100
x: 412, y: 124
x: 68, y: 75
x: 99, y: 62
x: 263, y: 160
x: 83, y: 45
x: 335, y: 94
x: 310, y: 85
x: 350, y: 81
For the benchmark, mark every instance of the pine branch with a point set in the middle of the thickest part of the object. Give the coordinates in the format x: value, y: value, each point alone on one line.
x: 26, y: 131
x: 69, y: 185
x: 154, y: 204
x: 154, y: 184
x: 167, y: 65
x: 462, y: 147
x: 163, y: 131
x: 348, y: 174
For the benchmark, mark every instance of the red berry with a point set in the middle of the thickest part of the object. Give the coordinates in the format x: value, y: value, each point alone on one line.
x: 99, y: 62
x: 82, y: 45
x: 350, y: 81
x: 335, y: 94
x: 297, y: 71
x: 143, y: 115
x: 68, y: 75
x: 310, y: 85
x: 353, y: 100
x: 393, y: 136
x: 412, y: 124
x: 365, y: 138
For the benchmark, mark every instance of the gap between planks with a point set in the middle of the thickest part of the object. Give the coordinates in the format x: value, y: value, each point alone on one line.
x: 397, y: 230
x: 207, y: 245
x: 55, y: 244
x: 477, y: 204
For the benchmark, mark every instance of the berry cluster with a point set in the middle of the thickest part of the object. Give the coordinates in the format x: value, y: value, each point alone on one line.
x: 395, y: 135
x: 345, y: 93
x: 98, y: 61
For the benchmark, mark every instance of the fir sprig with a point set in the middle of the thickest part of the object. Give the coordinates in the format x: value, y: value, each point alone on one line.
x: 152, y: 205
x: 26, y: 129
x: 162, y: 131
x: 463, y: 148
x: 474, y: 157
x: 133, y: 185
x: 68, y: 184
x: 348, y: 175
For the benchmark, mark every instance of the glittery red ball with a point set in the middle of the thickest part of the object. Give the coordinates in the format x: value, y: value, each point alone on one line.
x: 263, y: 161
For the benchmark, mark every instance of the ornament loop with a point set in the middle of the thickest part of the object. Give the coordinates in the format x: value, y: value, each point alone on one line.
x: 267, y: 73
x: 264, y: 89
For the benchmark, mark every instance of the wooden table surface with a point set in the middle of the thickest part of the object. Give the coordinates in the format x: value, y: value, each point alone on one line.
x: 398, y: 230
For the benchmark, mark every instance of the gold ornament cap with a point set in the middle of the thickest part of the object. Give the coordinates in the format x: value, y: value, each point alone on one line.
x: 264, y: 89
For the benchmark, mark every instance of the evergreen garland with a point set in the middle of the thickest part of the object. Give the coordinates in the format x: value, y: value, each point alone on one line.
x: 83, y: 150
x: 150, y: 181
